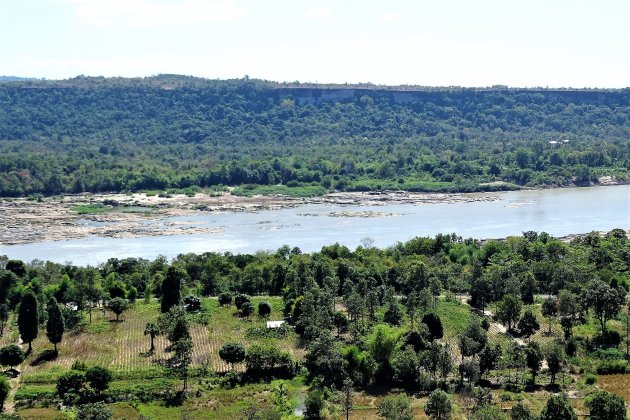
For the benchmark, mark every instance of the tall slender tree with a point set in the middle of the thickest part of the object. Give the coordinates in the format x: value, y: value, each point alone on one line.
x: 171, y: 288
x: 55, y: 326
x: 28, y: 318
x: 152, y: 330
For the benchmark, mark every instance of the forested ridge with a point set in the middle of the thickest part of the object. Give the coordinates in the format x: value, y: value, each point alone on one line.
x: 99, y: 135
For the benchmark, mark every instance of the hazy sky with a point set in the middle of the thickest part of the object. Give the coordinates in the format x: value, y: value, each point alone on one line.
x: 559, y: 43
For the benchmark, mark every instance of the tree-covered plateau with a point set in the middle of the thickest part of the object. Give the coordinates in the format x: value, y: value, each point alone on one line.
x: 111, y: 135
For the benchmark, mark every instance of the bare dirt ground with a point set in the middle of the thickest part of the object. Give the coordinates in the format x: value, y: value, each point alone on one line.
x: 135, y: 215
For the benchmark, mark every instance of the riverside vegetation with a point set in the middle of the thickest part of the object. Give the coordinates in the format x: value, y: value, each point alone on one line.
x: 445, y: 327
x: 181, y: 133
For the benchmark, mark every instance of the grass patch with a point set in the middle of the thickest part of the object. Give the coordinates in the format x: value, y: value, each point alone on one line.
x: 43, y: 413
x: 90, y: 209
x: 298, y: 191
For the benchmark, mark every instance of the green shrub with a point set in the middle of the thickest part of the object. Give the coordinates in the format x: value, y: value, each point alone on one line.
x: 231, y: 380
x: 4, y: 389
x: 590, y: 379
x: 609, y: 367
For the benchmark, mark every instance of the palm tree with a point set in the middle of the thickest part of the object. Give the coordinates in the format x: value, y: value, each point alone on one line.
x: 152, y: 330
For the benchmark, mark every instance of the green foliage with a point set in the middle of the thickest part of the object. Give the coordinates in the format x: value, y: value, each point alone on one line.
x: 325, y: 360
x: 11, y: 355
x: 365, y: 283
x: 608, y: 367
x: 381, y: 344
x: 89, y: 209
x: 606, y: 406
x: 176, y: 325
x: 192, y: 303
x: 231, y: 379
x: 250, y: 190
x: 314, y: 403
x: 533, y: 358
x: 94, y: 411
x: 4, y: 390
x: 406, y: 368
x: 181, y: 358
x: 489, y: 412
x: 489, y: 358
x: 268, y: 333
x: 71, y: 385
x: 473, y: 339
x: 264, y: 309
x: 240, y: 300
x: 152, y: 330
x: 232, y: 353
x: 225, y: 299
x: 171, y: 287
x: 439, y: 405
x: 528, y: 324
x: 558, y: 407
x: 590, y: 379
x: 509, y: 310
x: 121, y: 131
x: 118, y: 305
x: 247, y: 308
x: 98, y: 377
x: 604, y: 300
x: 341, y: 322
x: 28, y: 318
x: 521, y: 412
x: 393, y: 314
x: 470, y: 371
x: 55, y: 326
x: 268, y: 360
x: 396, y: 407
x: 434, y: 323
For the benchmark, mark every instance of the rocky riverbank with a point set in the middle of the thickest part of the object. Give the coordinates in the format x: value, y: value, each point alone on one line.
x: 134, y: 215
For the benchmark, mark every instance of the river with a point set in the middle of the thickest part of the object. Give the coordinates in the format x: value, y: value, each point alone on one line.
x: 559, y: 212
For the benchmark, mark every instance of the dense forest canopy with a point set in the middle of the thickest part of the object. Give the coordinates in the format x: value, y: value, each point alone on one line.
x: 98, y: 134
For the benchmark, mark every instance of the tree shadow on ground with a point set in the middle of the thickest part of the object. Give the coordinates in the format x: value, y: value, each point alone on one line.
x: 45, y: 356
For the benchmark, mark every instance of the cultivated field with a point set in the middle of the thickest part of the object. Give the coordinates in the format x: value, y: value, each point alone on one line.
x: 122, y: 346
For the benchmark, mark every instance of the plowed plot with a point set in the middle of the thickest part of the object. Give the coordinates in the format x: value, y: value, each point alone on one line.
x: 455, y: 317
x: 226, y: 327
x: 122, y: 345
x: 619, y: 384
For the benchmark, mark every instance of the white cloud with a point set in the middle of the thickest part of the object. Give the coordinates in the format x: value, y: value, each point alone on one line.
x: 318, y: 12
x: 389, y: 17
x: 152, y: 13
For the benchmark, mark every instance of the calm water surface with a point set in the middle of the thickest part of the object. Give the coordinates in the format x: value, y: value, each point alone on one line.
x: 559, y: 212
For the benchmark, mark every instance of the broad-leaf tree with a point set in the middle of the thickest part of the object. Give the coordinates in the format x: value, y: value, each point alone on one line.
x: 604, y: 300
x: 439, y: 405
x: 118, y: 305
x: 557, y: 408
x: 232, y: 353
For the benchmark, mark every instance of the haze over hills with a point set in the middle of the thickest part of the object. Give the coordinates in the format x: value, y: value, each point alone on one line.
x: 93, y: 134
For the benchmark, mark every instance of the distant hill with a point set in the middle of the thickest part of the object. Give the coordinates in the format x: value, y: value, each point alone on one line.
x: 15, y: 79
x: 170, y: 131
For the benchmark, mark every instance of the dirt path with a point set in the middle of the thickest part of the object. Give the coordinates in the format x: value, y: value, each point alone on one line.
x: 501, y: 328
x: 494, y: 325
x: 9, y: 404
